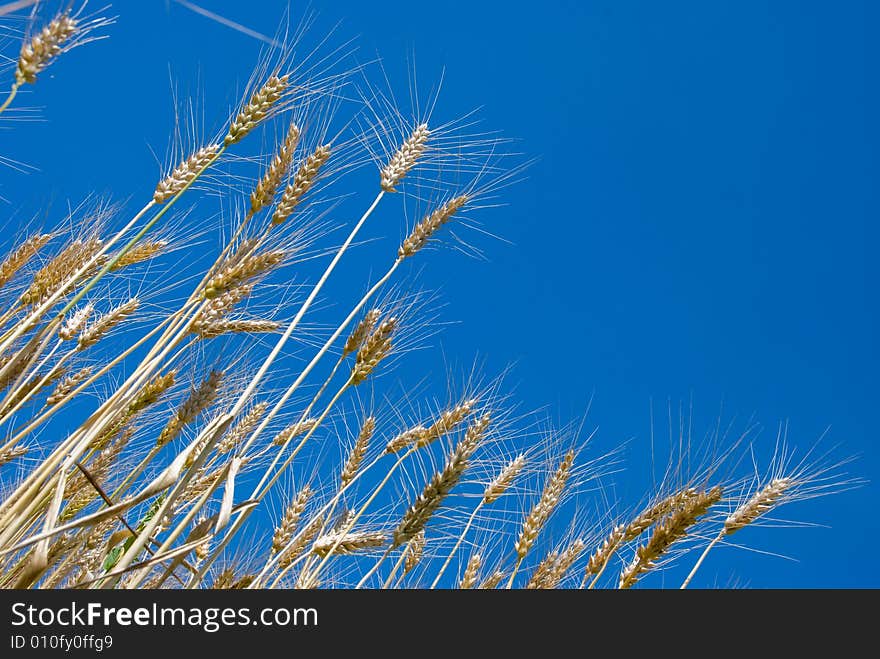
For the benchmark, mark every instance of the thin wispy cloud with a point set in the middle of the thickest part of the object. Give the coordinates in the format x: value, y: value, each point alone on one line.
x: 238, y: 27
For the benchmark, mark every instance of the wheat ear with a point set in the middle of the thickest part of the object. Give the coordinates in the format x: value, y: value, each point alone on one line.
x: 94, y: 332
x: 405, y: 158
x: 375, y: 348
x: 491, y: 582
x: 267, y: 186
x: 667, y: 532
x: 185, y: 173
x: 492, y: 493
x: 257, y: 108
x: 627, y: 532
x: 199, y: 399
x: 358, y: 451
x: 417, y: 516
x: 423, y: 231
x: 23, y: 253
x: 44, y: 47
x: 284, y: 531
x: 303, y: 180
x: 471, y: 572
x: 764, y: 500
x: 541, y: 511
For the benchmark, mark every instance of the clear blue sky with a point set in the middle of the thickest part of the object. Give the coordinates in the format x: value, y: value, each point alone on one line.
x: 701, y: 223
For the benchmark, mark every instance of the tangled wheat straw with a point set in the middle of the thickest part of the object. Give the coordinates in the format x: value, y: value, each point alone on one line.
x: 149, y: 411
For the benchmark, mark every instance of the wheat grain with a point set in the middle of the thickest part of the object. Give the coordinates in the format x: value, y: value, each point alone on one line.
x: 294, y: 430
x: 405, y: 439
x: 145, y: 397
x: 303, y: 540
x: 210, y: 330
x: 74, y: 323
x: 224, y: 579
x: 414, y: 550
x: 216, y: 309
x: 238, y: 273
x: 348, y: 543
x: 447, y: 422
x: 139, y: 254
x: 18, y: 363
x: 543, y: 571
x: 10, y: 454
x: 243, y: 428
x: 420, y: 436
x: 491, y: 582
x: 551, y: 570
x: 375, y: 348
x: 641, y: 523
x: 59, y: 272
x: 361, y: 332
x: 31, y: 387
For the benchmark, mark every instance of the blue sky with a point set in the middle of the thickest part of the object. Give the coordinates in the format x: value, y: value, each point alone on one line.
x: 699, y: 225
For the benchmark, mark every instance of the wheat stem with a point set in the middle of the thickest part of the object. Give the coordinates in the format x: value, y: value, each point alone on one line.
x: 700, y: 560
x: 370, y: 572
x: 13, y: 90
x: 363, y: 509
x: 458, y: 542
x: 394, y: 569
